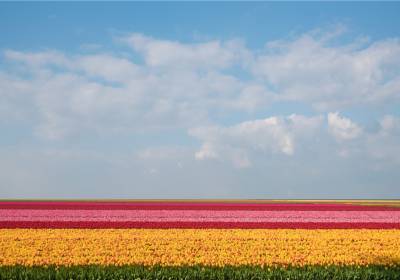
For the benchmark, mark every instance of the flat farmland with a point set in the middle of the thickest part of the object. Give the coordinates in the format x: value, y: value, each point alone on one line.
x: 183, y: 238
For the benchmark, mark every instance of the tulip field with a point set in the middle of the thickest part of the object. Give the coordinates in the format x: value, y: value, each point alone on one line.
x: 200, y: 239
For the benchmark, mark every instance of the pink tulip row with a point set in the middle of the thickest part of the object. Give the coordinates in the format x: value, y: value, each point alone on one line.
x: 230, y: 216
x: 169, y: 214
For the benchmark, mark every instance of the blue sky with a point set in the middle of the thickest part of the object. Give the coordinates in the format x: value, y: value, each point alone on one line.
x: 200, y: 100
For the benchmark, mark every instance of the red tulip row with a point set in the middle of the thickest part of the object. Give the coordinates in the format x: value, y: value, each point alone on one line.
x: 199, y: 225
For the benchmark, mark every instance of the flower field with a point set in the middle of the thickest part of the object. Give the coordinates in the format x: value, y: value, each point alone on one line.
x: 248, y: 236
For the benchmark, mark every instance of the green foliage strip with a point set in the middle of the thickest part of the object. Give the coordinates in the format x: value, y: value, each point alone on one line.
x: 198, y: 272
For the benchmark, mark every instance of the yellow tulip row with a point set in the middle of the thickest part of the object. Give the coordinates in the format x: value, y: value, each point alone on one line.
x: 216, y: 247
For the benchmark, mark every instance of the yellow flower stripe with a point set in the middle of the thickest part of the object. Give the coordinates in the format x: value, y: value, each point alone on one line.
x: 217, y: 247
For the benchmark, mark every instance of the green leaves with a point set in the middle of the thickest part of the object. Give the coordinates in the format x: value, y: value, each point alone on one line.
x: 198, y: 273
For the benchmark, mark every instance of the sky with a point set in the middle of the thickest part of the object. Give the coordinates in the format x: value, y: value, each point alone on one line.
x: 259, y: 100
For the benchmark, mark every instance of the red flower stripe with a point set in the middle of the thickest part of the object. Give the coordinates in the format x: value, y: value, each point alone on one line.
x: 209, y: 225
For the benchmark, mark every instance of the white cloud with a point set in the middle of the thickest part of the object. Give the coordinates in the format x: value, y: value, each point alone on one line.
x: 162, y: 153
x: 311, y: 68
x: 185, y: 85
x: 154, y: 91
x: 207, y: 151
x: 389, y: 124
x: 273, y: 135
x: 108, y: 67
x: 385, y: 143
x: 67, y: 94
x: 37, y: 59
x: 165, y: 53
x: 343, y: 128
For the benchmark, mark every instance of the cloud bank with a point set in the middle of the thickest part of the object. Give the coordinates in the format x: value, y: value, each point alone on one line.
x: 154, y: 104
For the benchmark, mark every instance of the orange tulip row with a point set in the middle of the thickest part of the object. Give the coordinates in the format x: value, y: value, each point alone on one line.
x: 215, y: 247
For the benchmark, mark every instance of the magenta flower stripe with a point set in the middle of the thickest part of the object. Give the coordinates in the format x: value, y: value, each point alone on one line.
x: 194, y: 215
x: 200, y: 216
x: 210, y: 225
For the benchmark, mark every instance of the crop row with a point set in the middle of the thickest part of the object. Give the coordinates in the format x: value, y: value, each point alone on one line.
x: 199, y: 273
x: 210, y: 247
x: 191, y: 225
x: 200, y: 216
x: 19, y: 215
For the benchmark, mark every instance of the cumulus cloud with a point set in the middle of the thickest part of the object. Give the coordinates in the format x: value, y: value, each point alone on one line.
x: 37, y: 59
x: 166, y: 53
x: 155, y: 104
x: 108, y: 67
x: 283, y: 137
x: 385, y: 143
x: 67, y: 94
x: 273, y: 135
x: 343, y: 128
x: 163, y: 85
x: 162, y: 153
x: 316, y: 69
